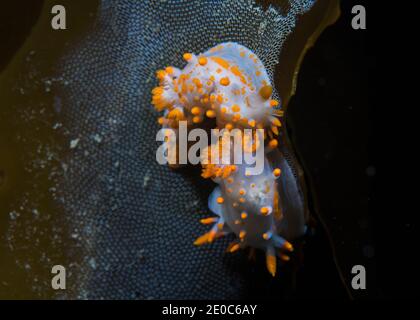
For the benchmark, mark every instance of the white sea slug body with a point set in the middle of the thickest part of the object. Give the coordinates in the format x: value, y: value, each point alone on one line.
x: 229, y: 83
x: 248, y: 206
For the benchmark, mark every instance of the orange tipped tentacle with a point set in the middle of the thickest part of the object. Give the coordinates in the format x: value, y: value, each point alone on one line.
x: 288, y: 246
x: 233, y: 246
x: 202, y: 239
x: 209, y: 220
x: 271, y: 261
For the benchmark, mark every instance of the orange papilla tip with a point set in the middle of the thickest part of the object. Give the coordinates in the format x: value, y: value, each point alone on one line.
x: 187, y: 56
x: 161, y: 120
x: 196, y: 111
x: 206, y: 175
x: 202, y: 61
x: 196, y: 119
x: 252, y: 123
x: 160, y: 74
x: 242, y: 192
x: 279, y: 113
x: 220, y: 200
x: 264, y: 211
x: 202, y: 239
x: 191, y: 88
x: 271, y: 264
x: 275, y: 130
x: 242, y: 200
x: 266, y: 91
x: 220, y: 225
x: 277, y: 172
x: 212, y: 235
x: 288, y: 246
x: 244, y: 215
x: 274, y: 103
x: 230, y: 180
x: 157, y: 90
x: 242, y: 234
x: 273, y: 143
x: 169, y: 70
x: 210, y: 114
x: 197, y: 82
x: 266, y: 235
x: 208, y: 220
x: 218, y: 172
x: 284, y: 257
x: 229, y: 126
x: 224, y: 81
x: 236, y: 108
x: 175, y: 114
x: 226, y: 172
x: 234, y: 247
x: 276, y: 122
x: 236, y: 117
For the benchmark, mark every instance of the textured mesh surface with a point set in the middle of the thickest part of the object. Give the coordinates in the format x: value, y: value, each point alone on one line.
x: 136, y: 220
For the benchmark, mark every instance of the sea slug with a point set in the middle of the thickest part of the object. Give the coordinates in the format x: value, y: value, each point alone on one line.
x: 229, y: 85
